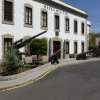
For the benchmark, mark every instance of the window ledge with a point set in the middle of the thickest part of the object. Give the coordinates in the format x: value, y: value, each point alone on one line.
x: 57, y: 30
x: 8, y: 22
x: 44, y: 28
x: 27, y: 25
x: 67, y: 32
x: 75, y: 33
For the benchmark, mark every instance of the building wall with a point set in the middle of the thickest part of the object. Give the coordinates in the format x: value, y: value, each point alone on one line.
x: 19, y: 31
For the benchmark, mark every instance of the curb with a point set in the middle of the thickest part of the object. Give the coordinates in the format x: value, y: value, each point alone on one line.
x: 26, y: 83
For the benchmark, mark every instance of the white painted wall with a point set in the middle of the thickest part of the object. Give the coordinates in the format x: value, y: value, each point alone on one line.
x: 19, y: 31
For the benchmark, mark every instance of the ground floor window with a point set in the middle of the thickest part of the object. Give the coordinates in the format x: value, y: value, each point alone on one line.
x: 82, y: 47
x: 75, y: 47
x: 67, y: 47
x: 7, y: 45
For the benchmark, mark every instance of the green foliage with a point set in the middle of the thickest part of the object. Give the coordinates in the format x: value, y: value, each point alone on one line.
x: 92, y: 40
x: 38, y: 46
x: 12, y: 61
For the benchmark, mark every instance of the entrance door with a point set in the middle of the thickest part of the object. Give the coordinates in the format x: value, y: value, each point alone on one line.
x: 57, y: 47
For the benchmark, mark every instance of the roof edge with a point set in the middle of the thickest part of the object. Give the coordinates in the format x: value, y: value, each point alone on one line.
x: 69, y: 6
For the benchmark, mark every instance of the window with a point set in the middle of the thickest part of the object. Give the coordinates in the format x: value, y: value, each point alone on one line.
x: 7, y: 45
x: 75, y: 47
x: 82, y: 28
x: 44, y: 21
x: 67, y: 24
x: 82, y: 47
x: 28, y: 16
x: 67, y: 47
x: 75, y: 26
x: 57, y: 22
x: 8, y: 11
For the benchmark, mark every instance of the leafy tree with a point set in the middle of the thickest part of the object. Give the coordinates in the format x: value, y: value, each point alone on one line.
x: 92, y: 44
x: 38, y: 47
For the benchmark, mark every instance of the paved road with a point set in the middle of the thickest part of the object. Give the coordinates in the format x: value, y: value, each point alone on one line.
x: 76, y: 82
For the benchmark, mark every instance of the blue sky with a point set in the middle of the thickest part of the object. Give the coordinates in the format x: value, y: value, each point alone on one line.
x: 92, y: 7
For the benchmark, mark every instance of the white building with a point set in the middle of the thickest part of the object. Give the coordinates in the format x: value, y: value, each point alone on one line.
x: 66, y: 25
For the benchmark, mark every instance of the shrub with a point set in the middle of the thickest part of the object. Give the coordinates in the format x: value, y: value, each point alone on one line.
x: 81, y: 56
x: 12, y: 61
x: 71, y: 56
x: 38, y: 47
x: 96, y: 52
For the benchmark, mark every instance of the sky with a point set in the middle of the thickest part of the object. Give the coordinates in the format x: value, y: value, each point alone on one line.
x: 92, y: 7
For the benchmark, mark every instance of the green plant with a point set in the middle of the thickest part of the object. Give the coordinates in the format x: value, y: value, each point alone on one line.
x: 12, y: 61
x: 38, y: 47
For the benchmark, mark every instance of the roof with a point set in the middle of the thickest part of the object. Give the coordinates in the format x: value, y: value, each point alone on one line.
x: 70, y: 7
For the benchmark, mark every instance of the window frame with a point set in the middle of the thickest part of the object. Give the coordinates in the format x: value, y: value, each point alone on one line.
x: 27, y: 24
x: 67, y: 26
x: 82, y: 28
x: 82, y: 47
x: 67, y: 49
x: 6, y: 36
x: 55, y: 23
x: 75, y: 47
x: 3, y: 20
x: 75, y: 27
x: 42, y: 25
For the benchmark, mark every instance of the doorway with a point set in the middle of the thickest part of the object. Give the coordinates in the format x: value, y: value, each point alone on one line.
x: 57, y: 48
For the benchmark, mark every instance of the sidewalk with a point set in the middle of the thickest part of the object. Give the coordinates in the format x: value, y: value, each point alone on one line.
x: 11, y: 82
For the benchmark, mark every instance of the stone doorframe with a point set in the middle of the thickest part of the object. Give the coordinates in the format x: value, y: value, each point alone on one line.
x: 56, y: 39
x: 5, y: 36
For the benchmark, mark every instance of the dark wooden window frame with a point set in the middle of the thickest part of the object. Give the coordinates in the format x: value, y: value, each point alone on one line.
x: 82, y: 47
x: 82, y: 27
x: 28, y: 15
x: 75, y: 26
x: 44, y: 19
x: 57, y: 22
x: 67, y: 25
x: 67, y: 45
x: 9, y: 20
x: 75, y: 47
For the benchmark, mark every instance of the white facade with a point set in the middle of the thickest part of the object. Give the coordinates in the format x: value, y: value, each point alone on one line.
x: 18, y: 30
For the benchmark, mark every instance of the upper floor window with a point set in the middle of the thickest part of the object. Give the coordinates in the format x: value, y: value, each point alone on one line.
x: 75, y: 26
x: 28, y: 15
x: 67, y: 24
x: 44, y: 20
x: 57, y: 23
x: 82, y: 28
x: 8, y: 11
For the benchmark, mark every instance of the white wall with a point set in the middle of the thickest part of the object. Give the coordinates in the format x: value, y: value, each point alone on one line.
x: 19, y: 31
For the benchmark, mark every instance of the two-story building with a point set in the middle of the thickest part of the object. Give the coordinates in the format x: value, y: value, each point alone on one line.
x: 66, y: 25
